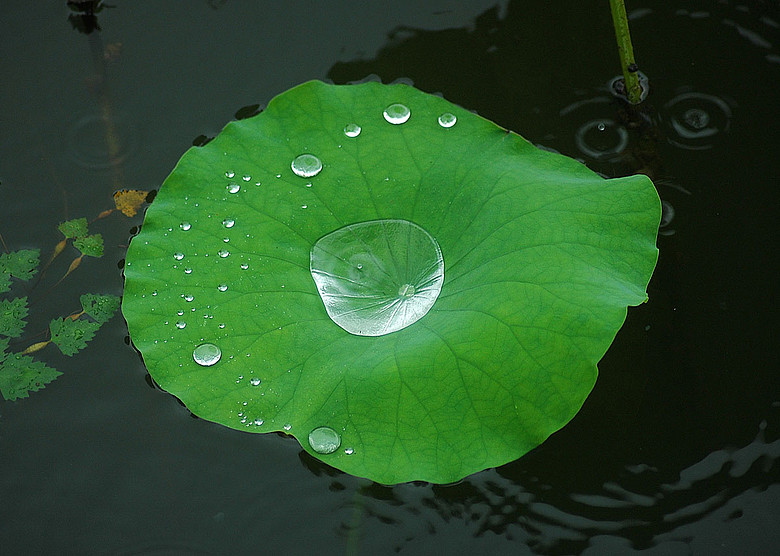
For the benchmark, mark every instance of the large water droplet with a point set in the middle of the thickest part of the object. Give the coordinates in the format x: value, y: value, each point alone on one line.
x: 377, y: 277
x: 185, y: 226
x: 228, y: 222
x: 233, y: 188
x: 324, y: 440
x: 206, y: 354
x: 352, y: 130
x: 397, y: 114
x: 447, y: 119
x: 178, y: 255
x: 223, y: 253
x: 222, y: 287
x: 306, y: 165
x: 181, y: 324
x: 230, y: 174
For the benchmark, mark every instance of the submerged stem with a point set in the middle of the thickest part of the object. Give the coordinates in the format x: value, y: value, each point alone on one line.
x: 626, y: 51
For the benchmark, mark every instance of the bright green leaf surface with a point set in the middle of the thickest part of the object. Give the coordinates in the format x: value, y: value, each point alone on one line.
x: 12, y: 315
x: 90, y: 245
x: 21, y: 374
x: 21, y: 264
x: 74, y: 228
x: 100, y: 307
x: 72, y: 335
x: 541, y: 259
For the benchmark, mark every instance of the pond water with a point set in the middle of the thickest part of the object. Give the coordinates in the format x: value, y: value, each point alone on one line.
x: 675, y: 451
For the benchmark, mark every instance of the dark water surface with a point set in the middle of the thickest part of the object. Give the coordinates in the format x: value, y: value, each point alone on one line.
x: 675, y: 451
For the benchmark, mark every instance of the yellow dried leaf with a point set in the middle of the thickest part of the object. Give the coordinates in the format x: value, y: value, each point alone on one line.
x: 129, y: 200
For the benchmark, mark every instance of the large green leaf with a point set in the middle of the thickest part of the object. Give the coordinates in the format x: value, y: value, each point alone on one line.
x: 540, y: 259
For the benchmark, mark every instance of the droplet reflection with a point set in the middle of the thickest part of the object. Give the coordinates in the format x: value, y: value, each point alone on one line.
x: 397, y: 114
x: 306, y: 165
x: 206, y: 355
x: 324, y: 440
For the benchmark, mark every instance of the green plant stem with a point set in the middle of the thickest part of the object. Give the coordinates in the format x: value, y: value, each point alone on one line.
x: 626, y: 51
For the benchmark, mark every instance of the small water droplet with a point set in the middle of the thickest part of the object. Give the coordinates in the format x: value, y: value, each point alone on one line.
x: 154, y: 292
x: 397, y: 114
x: 247, y: 177
x: 233, y: 188
x: 600, y: 126
x: 306, y: 165
x: 223, y: 253
x: 447, y: 120
x: 206, y: 354
x: 352, y: 130
x: 349, y: 451
x: 229, y: 174
x: 255, y: 381
x: 324, y: 440
x: 181, y: 324
x: 287, y: 427
x: 228, y: 222
x: 258, y: 422
x: 222, y: 287
x: 185, y: 226
x: 244, y: 266
x: 226, y: 240
x: 180, y: 313
x: 178, y: 255
x: 222, y: 325
x: 189, y: 297
x: 188, y: 270
x: 304, y: 206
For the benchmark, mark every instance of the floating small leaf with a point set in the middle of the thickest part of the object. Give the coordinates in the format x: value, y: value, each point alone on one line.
x: 72, y: 335
x: 21, y: 374
x: 99, y: 307
x: 74, y: 228
x: 12, y: 315
x: 542, y: 255
x: 21, y: 264
x: 129, y: 201
x: 90, y: 245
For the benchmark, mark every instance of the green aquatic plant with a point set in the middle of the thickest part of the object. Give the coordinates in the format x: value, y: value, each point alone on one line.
x: 21, y: 373
x: 411, y: 291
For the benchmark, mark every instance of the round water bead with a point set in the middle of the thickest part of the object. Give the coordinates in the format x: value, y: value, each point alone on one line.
x: 377, y: 277
x: 447, y: 119
x: 397, y: 114
x: 206, y: 355
x: 306, y: 165
x: 352, y: 130
x: 324, y: 440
